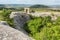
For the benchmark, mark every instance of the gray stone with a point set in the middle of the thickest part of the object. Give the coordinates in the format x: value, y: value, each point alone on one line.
x: 8, y: 33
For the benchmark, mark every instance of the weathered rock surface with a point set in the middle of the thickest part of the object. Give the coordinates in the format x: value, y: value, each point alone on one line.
x: 8, y: 33
x: 19, y: 19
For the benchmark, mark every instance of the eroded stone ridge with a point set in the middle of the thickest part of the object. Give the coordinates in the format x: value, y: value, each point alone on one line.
x: 19, y: 19
x: 8, y: 33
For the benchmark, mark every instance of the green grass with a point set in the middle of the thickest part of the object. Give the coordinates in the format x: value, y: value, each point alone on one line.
x: 43, y: 10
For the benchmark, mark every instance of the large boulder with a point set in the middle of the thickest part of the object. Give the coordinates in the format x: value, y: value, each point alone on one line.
x: 19, y: 19
x: 8, y: 33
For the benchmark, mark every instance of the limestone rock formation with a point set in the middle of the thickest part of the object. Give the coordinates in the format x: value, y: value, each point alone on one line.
x: 19, y: 19
x: 8, y: 33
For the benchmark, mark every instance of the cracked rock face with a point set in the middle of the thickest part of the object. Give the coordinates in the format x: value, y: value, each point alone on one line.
x: 8, y: 33
x: 19, y: 19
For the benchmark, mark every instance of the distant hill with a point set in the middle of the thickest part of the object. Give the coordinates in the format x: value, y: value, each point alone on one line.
x: 15, y: 5
x: 28, y: 5
x: 1, y: 5
x: 55, y: 6
x: 39, y: 6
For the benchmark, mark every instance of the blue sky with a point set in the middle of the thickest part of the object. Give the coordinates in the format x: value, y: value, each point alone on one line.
x: 46, y: 2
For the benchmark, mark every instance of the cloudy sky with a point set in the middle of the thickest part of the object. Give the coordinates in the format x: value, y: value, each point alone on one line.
x: 46, y: 2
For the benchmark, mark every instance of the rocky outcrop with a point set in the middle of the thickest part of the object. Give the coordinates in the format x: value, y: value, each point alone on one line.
x: 19, y: 20
x: 17, y: 33
x: 53, y: 15
x: 8, y: 33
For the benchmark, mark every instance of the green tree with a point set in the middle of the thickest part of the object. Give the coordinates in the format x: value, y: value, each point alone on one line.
x: 52, y: 33
x: 44, y: 28
x: 5, y: 15
x: 34, y: 25
x: 58, y: 20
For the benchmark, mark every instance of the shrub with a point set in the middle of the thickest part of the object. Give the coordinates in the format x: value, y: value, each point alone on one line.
x: 5, y: 15
x: 44, y: 28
